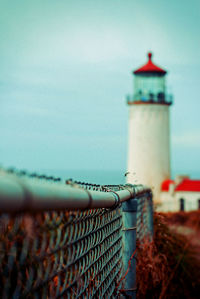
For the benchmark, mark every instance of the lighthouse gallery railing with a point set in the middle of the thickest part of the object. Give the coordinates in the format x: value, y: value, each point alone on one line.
x: 69, y: 240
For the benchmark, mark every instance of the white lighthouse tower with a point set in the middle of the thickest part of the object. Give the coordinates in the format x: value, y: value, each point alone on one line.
x: 149, y: 142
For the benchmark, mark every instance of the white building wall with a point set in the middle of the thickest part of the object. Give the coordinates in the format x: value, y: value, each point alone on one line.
x: 191, y: 199
x: 171, y: 202
x: 168, y: 203
x: 148, y: 149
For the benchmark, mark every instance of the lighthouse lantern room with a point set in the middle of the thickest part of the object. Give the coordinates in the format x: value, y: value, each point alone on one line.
x: 149, y: 140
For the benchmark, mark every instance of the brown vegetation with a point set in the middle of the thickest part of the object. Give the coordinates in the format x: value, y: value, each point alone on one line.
x: 190, y: 219
x: 168, y: 267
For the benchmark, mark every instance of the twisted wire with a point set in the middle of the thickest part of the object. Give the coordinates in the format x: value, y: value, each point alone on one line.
x: 61, y: 254
x: 67, y: 254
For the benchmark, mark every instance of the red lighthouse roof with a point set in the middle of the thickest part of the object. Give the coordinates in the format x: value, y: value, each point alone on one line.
x: 150, y: 67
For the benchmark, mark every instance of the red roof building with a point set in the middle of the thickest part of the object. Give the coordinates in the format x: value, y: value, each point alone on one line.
x: 186, y: 185
x: 189, y: 185
x: 150, y: 68
x: 181, y: 194
x: 165, y: 185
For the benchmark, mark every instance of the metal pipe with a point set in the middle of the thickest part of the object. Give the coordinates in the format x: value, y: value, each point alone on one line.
x: 11, y: 194
x: 18, y: 194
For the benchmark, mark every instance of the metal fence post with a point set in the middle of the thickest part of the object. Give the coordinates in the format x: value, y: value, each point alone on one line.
x: 147, y: 214
x: 150, y: 214
x: 129, y: 209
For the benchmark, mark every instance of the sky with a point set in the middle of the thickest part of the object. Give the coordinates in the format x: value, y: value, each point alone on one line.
x: 66, y: 68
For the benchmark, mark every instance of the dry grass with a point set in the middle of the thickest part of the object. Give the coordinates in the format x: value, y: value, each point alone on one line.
x: 190, y: 219
x: 168, y: 266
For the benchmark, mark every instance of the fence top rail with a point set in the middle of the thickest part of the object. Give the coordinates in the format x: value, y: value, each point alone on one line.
x: 22, y: 193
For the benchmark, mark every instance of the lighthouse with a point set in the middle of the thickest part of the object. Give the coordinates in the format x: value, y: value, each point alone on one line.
x: 149, y: 135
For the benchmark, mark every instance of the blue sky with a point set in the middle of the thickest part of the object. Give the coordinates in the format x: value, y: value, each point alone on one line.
x: 65, y: 69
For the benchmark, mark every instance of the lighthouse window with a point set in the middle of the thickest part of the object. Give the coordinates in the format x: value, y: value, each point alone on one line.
x: 151, y: 96
x: 161, y: 97
x: 182, y: 204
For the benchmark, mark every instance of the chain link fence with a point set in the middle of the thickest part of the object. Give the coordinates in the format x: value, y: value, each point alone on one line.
x: 68, y: 239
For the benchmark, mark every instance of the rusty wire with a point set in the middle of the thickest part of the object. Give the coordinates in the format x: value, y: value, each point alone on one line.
x: 56, y: 254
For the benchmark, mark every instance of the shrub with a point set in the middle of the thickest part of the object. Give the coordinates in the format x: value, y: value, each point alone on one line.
x: 168, y: 266
x: 191, y: 219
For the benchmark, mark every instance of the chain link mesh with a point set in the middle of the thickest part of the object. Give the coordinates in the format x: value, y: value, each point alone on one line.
x: 144, y: 217
x: 67, y: 254
x: 61, y: 254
